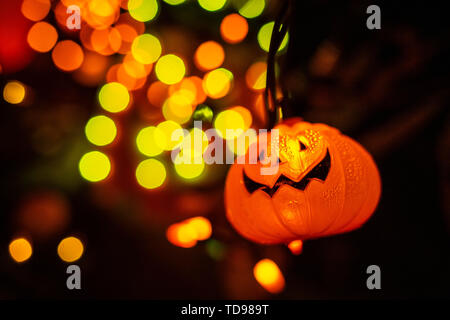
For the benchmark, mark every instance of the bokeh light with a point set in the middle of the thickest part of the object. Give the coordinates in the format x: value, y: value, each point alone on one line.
x: 212, y: 5
x: 174, y: 2
x: 146, y: 142
x: 67, y: 55
x: 101, y: 130
x: 185, y: 234
x: 209, y: 55
x: 229, y: 124
x: 164, y: 133
x: 265, y: 36
x: 256, y: 75
x: 269, y: 276
x: 252, y: 8
x: 92, y: 71
x: 94, y: 166
x: 178, y: 107
x: 20, y: 250
x: 181, y: 235
x: 114, y: 97
x: 217, y: 83
x: 296, y: 246
x: 143, y: 10
x: 157, y: 93
x: 70, y: 249
x: 234, y: 28
x: 170, y: 69
x: 146, y: 48
x: 202, y: 227
x: 35, y: 10
x: 14, y: 92
x: 150, y: 173
x: 190, y: 170
x: 42, y: 36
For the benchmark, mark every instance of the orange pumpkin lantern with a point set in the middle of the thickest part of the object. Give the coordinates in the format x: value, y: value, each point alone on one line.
x: 326, y: 184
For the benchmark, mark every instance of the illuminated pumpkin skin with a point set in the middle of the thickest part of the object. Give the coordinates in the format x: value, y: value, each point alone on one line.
x: 342, y: 202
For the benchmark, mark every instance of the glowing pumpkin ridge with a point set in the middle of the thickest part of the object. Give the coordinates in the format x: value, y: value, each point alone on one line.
x: 326, y: 184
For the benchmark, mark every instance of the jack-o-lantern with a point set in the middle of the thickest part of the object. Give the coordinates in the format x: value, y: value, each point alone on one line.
x: 326, y: 183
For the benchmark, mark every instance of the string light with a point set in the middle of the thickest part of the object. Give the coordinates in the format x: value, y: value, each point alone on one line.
x: 170, y: 69
x: 269, y: 276
x: 150, y: 174
x: 14, y: 92
x: 42, y: 37
x: 70, y: 249
x: 114, y: 97
x: 143, y: 10
x: 101, y: 130
x: 20, y: 250
x: 94, y: 166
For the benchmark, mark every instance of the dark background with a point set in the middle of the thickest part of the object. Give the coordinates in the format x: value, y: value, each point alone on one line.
x: 389, y: 90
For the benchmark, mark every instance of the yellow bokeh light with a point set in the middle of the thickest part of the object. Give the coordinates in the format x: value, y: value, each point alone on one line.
x: 269, y: 276
x: 181, y: 235
x: 229, y: 124
x: 150, y: 173
x: 101, y: 130
x: 94, y: 166
x: 265, y: 35
x: 70, y: 249
x: 252, y: 8
x: 114, y: 97
x: 164, y: 132
x: 190, y: 170
x: 143, y: 10
x: 170, y: 69
x: 146, y: 142
x: 146, y: 48
x: 202, y: 227
x: 14, y: 92
x: 20, y: 250
x: 174, y: 2
x: 178, y: 107
x: 194, y: 144
x: 212, y: 5
x: 217, y: 83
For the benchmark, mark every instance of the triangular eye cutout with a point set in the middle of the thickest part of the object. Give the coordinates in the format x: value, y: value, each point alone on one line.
x: 302, y: 146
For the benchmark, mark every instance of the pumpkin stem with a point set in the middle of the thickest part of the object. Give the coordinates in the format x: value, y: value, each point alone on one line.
x: 280, y: 29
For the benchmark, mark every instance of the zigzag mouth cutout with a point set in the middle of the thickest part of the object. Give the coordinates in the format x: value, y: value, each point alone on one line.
x: 319, y: 172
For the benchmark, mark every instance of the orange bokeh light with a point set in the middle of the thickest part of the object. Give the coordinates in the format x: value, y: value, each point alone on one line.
x: 185, y: 234
x: 255, y: 76
x: 93, y: 69
x: 157, y: 93
x: 234, y: 28
x: 296, y: 246
x: 269, y: 276
x: 35, y: 10
x: 209, y: 55
x: 42, y: 37
x: 67, y: 55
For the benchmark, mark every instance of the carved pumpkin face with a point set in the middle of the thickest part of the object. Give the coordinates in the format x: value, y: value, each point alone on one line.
x: 326, y: 183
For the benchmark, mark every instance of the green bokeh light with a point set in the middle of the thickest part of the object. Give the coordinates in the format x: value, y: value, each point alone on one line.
x: 265, y: 34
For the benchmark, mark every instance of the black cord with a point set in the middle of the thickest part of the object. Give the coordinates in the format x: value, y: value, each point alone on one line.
x: 279, y: 32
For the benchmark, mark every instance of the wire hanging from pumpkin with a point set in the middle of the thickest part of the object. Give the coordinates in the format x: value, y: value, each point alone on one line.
x: 280, y: 29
